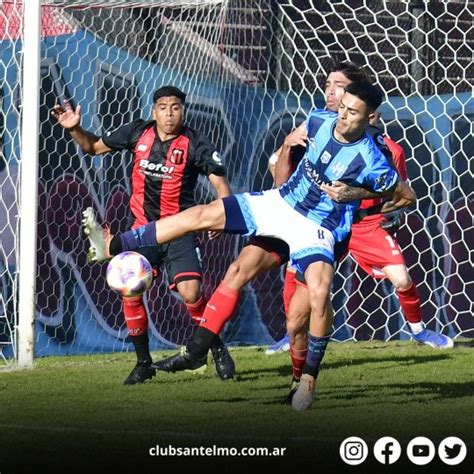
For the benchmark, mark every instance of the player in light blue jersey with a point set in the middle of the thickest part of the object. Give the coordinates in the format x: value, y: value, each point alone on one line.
x: 298, y: 213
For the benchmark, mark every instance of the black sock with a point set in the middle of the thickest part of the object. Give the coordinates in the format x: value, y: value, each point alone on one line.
x: 201, y: 342
x: 142, y: 349
x: 217, y: 342
x: 115, y: 246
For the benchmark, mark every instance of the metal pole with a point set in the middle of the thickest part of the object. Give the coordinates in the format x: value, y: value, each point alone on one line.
x: 28, y: 181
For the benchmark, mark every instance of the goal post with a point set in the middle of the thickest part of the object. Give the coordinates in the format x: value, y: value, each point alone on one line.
x: 252, y: 71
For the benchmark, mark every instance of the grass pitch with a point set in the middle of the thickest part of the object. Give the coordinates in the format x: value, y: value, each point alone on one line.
x: 72, y: 414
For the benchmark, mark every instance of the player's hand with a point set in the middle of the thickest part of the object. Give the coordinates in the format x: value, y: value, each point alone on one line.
x: 66, y: 116
x: 340, y: 192
x: 392, y: 222
x: 297, y: 137
x: 214, y: 234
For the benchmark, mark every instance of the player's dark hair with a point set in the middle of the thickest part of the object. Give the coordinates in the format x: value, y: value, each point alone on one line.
x: 353, y: 72
x: 367, y: 92
x: 169, y: 91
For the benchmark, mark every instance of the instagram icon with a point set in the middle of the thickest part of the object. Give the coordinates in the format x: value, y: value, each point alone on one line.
x: 353, y: 450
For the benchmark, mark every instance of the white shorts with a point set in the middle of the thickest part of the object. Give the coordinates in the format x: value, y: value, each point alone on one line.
x: 267, y: 214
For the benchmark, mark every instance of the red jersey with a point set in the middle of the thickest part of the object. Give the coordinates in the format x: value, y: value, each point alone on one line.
x: 164, y: 174
x: 399, y: 159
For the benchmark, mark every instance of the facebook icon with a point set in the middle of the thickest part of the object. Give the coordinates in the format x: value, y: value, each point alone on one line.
x: 387, y: 450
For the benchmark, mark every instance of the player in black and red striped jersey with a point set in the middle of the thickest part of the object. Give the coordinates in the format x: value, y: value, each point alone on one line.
x: 168, y: 157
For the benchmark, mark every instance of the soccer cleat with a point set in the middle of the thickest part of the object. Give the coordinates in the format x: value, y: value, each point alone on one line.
x: 97, y: 251
x: 303, y: 396
x: 295, y: 383
x: 283, y: 345
x: 140, y: 373
x: 182, y: 361
x: 433, y: 339
x: 225, y: 366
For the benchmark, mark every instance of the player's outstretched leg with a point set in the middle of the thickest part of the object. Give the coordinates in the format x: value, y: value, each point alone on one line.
x: 433, y: 339
x: 182, y: 361
x: 97, y: 250
x: 283, y: 345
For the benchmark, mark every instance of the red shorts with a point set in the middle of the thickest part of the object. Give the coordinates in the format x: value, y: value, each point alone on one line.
x: 373, y: 248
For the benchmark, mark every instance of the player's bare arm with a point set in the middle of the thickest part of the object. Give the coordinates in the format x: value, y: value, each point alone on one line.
x: 222, y: 187
x: 283, y: 165
x: 273, y: 161
x: 402, y: 195
x: 70, y: 120
x: 341, y: 192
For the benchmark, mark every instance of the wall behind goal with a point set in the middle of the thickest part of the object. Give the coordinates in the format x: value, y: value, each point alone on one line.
x: 113, y: 81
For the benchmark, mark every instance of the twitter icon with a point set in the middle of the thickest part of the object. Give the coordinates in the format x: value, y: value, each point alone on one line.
x: 452, y: 450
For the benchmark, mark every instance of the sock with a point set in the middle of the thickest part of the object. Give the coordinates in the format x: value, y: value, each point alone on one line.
x: 137, y: 324
x: 416, y: 328
x: 289, y: 288
x: 410, y: 303
x: 220, y: 308
x: 115, y: 246
x: 316, y: 349
x: 201, y: 342
x: 144, y: 236
x: 196, y: 309
x: 298, y: 358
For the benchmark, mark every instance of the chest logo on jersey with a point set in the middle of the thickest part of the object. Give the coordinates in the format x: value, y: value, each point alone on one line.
x: 158, y: 170
x: 142, y: 147
x: 177, y: 157
x: 325, y: 157
x: 338, y: 169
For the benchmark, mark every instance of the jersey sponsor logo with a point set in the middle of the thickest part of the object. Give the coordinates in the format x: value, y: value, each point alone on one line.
x: 311, y: 173
x: 217, y: 158
x: 338, y: 169
x: 325, y: 157
x: 177, y: 156
x: 158, y: 170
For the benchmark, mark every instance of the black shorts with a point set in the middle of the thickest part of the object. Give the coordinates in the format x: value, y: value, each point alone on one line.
x: 277, y: 247
x: 181, y: 259
x: 340, y: 251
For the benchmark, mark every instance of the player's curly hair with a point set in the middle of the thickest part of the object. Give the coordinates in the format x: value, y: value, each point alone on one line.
x: 352, y: 71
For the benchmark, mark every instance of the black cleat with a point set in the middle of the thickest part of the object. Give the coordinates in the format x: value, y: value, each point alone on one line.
x: 182, y: 361
x: 140, y: 373
x: 225, y: 366
x: 294, y: 387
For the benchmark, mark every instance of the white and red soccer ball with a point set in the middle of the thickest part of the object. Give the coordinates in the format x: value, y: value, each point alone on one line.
x: 129, y: 273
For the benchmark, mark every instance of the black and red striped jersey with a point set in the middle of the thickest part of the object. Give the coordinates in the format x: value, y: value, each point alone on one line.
x: 164, y: 174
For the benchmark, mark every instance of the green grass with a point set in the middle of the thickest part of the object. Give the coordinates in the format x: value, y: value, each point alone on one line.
x: 74, y: 413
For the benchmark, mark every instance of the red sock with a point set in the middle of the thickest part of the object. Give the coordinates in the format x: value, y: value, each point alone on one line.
x: 289, y: 288
x: 298, y: 358
x: 410, y: 303
x: 220, y: 308
x: 135, y: 315
x: 196, y: 309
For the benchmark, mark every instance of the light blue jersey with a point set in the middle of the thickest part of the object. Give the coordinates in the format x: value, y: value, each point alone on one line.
x: 359, y: 164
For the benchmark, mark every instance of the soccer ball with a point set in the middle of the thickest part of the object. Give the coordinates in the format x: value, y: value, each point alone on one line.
x: 129, y: 273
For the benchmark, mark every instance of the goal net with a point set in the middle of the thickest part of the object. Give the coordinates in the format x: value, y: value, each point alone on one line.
x: 252, y: 71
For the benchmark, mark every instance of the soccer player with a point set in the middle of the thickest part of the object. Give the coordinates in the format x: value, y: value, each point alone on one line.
x: 168, y: 157
x: 373, y: 244
x: 299, y: 213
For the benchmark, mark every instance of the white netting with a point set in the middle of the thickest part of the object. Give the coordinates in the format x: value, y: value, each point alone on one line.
x: 252, y: 70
